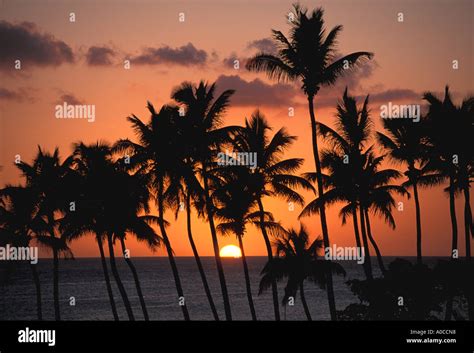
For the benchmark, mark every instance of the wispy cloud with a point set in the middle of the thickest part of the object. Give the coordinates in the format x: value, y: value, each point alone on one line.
x: 18, y: 95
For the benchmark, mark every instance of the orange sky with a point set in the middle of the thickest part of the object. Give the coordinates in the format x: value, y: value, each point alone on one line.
x: 410, y: 58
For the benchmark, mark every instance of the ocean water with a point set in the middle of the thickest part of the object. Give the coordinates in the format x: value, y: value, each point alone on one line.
x: 83, y: 279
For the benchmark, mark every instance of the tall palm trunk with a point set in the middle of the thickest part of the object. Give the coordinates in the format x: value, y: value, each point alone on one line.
x: 247, y: 279
x: 215, y: 245
x: 452, y: 212
x: 135, y: 278
x: 36, y: 280
x: 123, y: 292
x: 419, y: 258
x: 374, y: 244
x: 303, y: 301
x: 322, y: 209
x: 356, y: 227
x: 367, y: 260
x: 467, y: 229
x: 107, y: 279
x: 169, y: 250
x: 198, y: 259
x: 454, y: 246
x: 57, y: 314
x: 268, y: 246
x: 467, y: 221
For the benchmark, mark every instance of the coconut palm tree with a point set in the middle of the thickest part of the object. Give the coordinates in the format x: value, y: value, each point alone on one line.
x: 376, y: 194
x: 354, y: 174
x: 155, y: 155
x: 273, y: 175
x: 234, y: 207
x: 309, y: 55
x: 450, y: 135
x: 123, y: 198
x: 407, y: 143
x: 297, y: 260
x: 21, y: 224
x: 182, y: 194
x: 48, y: 177
x: 202, y: 138
x: 344, y: 162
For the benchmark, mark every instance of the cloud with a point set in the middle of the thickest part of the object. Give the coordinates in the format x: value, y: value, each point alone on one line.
x: 19, y: 95
x: 257, y: 93
x: 99, y: 56
x: 185, y: 55
x: 265, y: 45
x: 69, y: 98
x: 396, y: 94
x: 24, y: 42
x: 229, y: 62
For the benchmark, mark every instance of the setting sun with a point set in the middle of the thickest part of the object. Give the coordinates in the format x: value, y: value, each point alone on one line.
x: 230, y: 251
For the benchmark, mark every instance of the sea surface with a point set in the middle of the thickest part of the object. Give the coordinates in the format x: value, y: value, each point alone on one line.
x: 83, y: 279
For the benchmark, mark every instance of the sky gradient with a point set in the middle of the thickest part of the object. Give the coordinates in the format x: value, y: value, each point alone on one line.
x: 82, y: 62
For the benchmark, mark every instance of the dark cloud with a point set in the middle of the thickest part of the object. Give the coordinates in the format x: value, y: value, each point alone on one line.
x: 395, y: 95
x: 185, y: 55
x: 24, y: 42
x: 257, y: 93
x: 19, y: 95
x: 98, y: 56
x: 229, y: 61
x: 69, y: 98
x: 265, y: 45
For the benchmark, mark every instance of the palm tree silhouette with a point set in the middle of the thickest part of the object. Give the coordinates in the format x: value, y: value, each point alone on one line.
x: 310, y: 56
x: 376, y: 194
x: 273, y: 175
x: 407, y: 143
x: 234, y: 203
x: 203, y: 137
x: 48, y: 178
x: 183, y: 193
x: 296, y: 259
x: 134, y: 197
x: 21, y: 224
x: 109, y: 201
x: 156, y: 155
x: 451, y: 154
x: 353, y: 176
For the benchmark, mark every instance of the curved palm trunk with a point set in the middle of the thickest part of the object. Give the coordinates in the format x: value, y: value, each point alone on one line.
x: 123, y: 292
x: 107, y: 279
x: 367, y: 260
x: 454, y: 246
x: 268, y: 246
x: 36, y: 280
x: 419, y: 258
x: 198, y: 259
x: 135, y: 278
x: 374, y: 244
x: 247, y: 279
x: 467, y: 229
x: 467, y: 222
x: 57, y: 314
x: 356, y: 227
x: 215, y: 245
x: 322, y: 209
x: 303, y: 301
x: 452, y: 212
x: 169, y: 250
